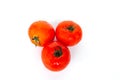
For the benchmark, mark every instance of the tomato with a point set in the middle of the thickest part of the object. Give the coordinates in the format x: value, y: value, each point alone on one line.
x: 55, y: 56
x: 69, y: 33
x: 41, y: 33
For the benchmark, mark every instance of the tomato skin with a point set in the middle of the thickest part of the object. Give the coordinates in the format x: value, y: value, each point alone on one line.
x: 41, y: 33
x: 69, y: 33
x: 53, y: 60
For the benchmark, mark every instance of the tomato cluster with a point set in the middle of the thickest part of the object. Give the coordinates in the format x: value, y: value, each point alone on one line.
x: 55, y: 54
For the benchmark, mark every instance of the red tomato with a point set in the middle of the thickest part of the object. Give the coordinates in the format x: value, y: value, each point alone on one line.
x: 69, y: 33
x: 41, y: 32
x: 55, y: 56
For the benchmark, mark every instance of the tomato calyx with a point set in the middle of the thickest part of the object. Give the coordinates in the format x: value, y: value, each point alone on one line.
x: 58, y: 51
x: 70, y: 28
x: 36, y: 39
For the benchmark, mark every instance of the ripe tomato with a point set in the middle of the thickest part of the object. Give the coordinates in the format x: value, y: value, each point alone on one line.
x: 55, y: 56
x: 41, y: 32
x: 69, y: 33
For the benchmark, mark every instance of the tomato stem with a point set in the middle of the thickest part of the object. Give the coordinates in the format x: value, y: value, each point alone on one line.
x: 36, y: 39
x: 70, y: 28
x: 58, y: 51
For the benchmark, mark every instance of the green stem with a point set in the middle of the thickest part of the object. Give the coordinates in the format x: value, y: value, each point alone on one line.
x: 36, y: 39
x: 58, y: 51
x: 70, y: 28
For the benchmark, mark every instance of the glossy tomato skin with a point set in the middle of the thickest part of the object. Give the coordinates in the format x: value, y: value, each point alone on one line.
x: 69, y: 33
x: 55, y: 56
x: 41, y: 33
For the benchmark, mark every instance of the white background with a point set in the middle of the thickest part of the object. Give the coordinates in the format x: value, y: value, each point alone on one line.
x: 96, y: 57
